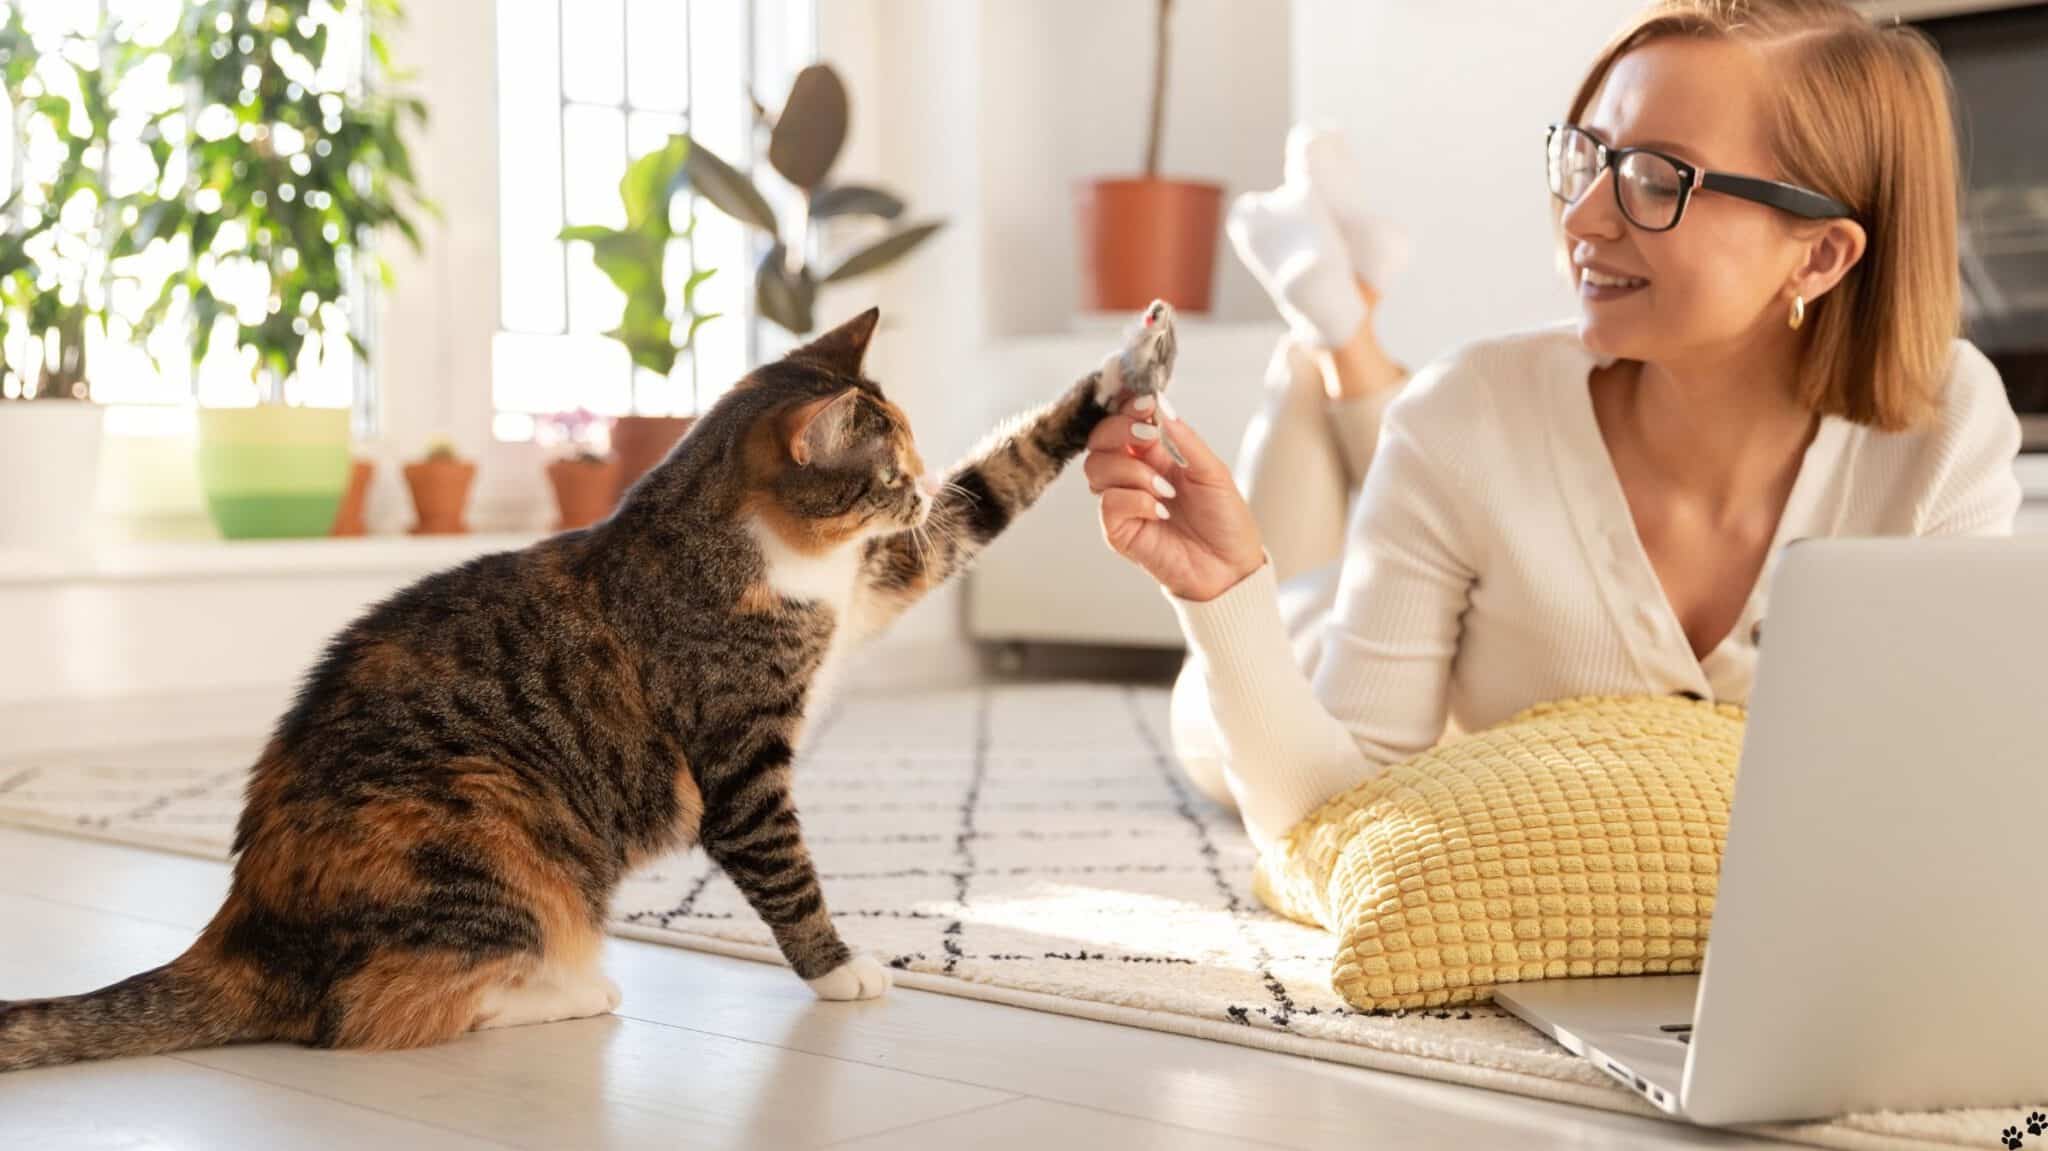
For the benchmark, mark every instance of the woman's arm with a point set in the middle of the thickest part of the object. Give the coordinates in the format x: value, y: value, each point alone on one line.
x: 1379, y: 692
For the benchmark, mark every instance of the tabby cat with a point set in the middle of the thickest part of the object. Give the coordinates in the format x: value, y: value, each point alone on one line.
x: 432, y: 835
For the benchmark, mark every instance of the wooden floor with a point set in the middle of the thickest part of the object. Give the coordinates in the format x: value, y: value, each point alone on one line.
x: 706, y: 1052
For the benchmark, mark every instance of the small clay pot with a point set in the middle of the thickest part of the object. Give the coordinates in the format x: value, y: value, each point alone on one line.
x: 586, y: 490
x: 440, y: 494
x: 348, y: 519
x: 640, y: 442
x: 1143, y: 240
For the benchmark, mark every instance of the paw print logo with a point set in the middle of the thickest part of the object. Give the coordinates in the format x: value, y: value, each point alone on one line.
x: 2012, y: 1139
x: 2037, y: 1123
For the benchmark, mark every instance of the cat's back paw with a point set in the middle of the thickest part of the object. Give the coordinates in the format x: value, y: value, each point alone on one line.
x: 861, y: 977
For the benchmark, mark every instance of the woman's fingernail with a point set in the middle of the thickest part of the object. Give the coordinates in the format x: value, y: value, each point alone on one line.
x: 1160, y: 485
x: 1145, y: 432
x: 1163, y: 513
x: 1142, y: 404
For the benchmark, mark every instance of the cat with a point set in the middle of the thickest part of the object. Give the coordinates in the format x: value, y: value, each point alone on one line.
x: 432, y: 835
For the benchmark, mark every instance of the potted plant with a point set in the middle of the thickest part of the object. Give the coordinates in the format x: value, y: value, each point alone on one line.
x: 292, y: 174
x: 54, y: 275
x: 1148, y: 237
x: 57, y: 267
x: 657, y: 323
x: 585, y: 479
x: 349, y: 518
x: 440, y: 490
x: 804, y: 142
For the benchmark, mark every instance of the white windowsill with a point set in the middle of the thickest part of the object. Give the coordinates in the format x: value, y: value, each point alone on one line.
x: 206, y: 559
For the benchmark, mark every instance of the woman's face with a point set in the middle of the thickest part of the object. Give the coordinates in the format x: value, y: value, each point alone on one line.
x: 1722, y: 278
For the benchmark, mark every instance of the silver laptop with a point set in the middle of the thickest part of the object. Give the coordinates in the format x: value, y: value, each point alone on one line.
x: 1880, y: 934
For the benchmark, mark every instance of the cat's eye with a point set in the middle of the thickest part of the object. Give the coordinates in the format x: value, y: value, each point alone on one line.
x: 889, y: 476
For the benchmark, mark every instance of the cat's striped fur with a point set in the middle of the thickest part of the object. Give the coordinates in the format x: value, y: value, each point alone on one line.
x: 431, y: 838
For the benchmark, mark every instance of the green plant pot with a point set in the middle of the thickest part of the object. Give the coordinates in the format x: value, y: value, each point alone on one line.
x: 273, y: 472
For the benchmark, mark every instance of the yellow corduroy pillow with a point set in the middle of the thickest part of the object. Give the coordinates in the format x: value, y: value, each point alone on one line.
x: 1578, y: 838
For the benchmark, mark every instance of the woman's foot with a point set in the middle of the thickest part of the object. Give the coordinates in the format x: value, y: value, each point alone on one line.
x: 1292, y: 246
x: 1318, y: 159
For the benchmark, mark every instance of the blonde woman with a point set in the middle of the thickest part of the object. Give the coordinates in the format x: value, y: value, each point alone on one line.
x: 1757, y: 199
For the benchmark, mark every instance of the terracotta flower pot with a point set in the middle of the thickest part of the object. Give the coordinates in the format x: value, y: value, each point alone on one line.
x: 440, y: 494
x: 640, y: 442
x: 585, y: 490
x: 1143, y: 240
x: 348, y: 519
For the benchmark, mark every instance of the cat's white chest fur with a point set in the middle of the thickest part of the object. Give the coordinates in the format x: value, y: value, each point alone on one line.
x: 832, y: 579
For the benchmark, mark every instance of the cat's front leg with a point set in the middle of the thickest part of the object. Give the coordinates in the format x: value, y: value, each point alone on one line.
x: 751, y: 832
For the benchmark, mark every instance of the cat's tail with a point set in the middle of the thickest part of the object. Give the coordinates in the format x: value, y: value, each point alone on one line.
x: 184, y: 1004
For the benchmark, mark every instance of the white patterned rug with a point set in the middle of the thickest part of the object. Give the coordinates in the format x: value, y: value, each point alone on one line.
x: 1030, y: 845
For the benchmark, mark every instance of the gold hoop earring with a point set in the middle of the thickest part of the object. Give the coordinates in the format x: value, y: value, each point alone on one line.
x: 1798, y: 320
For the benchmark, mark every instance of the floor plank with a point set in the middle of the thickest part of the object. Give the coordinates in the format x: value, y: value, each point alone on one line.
x: 1035, y: 1124
x: 619, y: 1083
x: 163, y: 1103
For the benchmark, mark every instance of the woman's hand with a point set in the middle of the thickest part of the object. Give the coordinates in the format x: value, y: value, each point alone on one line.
x: 1188, y: 527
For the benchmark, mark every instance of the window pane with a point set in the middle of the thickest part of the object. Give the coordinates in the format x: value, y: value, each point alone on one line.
x: 649, y: 131
x: 594, y: 51
x: 595, y: 305
x: 529, y: 166
x: 541, y: 375
x: 722, y: 243
x: 657, y: 49
x: 594, y: 152
x: 720, y: 116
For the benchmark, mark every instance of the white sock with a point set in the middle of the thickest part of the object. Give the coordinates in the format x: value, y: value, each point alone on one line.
x: 1291, y: 244
x: 1318, y: 157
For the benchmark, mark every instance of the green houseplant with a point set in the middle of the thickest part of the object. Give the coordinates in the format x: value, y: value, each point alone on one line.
x: 58, y: 262
x: 293, y: 173
x: 804, y: 142
x: 660, y: 314
x: 660, y: 317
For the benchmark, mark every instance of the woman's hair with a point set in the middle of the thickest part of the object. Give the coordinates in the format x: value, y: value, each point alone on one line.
x: 1862, y: 113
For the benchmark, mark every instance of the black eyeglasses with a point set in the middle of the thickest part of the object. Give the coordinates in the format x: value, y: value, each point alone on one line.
x: 1653, y: 188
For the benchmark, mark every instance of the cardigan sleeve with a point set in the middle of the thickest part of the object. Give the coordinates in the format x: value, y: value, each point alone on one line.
x: 1380, y: 691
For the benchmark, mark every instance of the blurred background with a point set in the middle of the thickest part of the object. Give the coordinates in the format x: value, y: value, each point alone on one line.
x: 302, y: 299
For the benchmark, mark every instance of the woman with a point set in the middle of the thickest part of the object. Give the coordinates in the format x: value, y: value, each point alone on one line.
x: 1758, y: 201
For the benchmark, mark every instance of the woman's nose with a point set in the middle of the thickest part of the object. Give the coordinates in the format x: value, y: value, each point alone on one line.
x: 1595, y: 215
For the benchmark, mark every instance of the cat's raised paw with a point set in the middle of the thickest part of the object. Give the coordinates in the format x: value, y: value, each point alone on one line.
x: 861, y: 977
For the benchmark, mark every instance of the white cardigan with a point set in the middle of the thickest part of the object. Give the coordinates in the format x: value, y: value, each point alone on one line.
x: 1493, y: 563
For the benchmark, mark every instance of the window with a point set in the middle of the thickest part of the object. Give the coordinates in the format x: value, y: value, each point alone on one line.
x: 73, y: 42
x: 585, y: 86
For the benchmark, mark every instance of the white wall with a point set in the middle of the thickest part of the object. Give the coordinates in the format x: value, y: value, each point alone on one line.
x: 1064, y: 91
x: 1445, y: 106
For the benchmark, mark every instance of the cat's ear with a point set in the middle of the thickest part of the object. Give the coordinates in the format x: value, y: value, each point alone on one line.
x: 844, y: 348
x: 818, y: 429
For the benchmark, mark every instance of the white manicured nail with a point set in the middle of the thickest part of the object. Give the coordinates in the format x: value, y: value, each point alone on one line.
x: 1160, y: 485
x: 1143, y: 404
x: 1145, y: 432
x: 1163, y: 513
